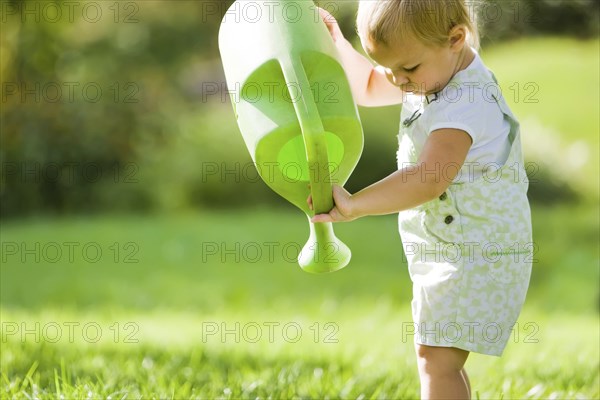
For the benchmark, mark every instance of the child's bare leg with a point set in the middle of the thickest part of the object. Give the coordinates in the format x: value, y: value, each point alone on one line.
x: 441, y: 372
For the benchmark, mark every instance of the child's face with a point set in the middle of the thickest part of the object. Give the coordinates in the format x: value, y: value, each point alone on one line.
x: 417, y: 68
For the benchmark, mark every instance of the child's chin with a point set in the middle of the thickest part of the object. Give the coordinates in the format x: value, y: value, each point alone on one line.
x: 411, y: 91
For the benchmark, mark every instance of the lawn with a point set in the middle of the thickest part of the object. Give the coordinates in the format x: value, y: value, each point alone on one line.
x: 168, y: 317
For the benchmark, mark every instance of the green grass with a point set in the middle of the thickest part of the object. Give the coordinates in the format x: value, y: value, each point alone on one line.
x: 552, y: 86
x: 565, y: 80
x: 353, y: 339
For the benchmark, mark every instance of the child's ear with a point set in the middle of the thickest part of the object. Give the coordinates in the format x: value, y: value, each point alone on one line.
x: 457, y: 37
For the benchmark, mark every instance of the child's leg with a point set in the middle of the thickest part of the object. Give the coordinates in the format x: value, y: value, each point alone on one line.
x: 441, y: 372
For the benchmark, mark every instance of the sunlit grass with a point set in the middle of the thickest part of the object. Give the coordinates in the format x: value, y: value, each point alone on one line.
x: 164, y: 320
x: 171, y: 355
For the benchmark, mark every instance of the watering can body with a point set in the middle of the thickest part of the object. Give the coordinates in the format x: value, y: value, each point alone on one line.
x: 295, y: 110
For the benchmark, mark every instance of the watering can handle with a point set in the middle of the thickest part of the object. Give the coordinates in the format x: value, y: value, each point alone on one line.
x: 313, y: 134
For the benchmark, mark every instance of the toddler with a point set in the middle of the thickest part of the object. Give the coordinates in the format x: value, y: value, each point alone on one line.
x: 460, y: 189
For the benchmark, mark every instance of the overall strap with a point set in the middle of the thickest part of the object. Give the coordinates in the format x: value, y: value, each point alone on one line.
x: 508, y: 115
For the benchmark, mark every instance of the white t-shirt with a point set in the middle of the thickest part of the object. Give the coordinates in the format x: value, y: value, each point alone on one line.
x: 466, y: 103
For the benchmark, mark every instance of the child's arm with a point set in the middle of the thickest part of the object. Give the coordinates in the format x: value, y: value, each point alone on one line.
x: 369, y: 84
x: 441, y: 159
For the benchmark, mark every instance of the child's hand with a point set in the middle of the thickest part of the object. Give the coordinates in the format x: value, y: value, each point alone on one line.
x: 341, y: 212
x: 332, y: 25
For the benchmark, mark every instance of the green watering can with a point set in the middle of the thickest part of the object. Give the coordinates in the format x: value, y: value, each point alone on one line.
x: 295, y: 110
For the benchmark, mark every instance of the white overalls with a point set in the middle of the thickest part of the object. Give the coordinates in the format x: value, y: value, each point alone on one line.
x: 470, y: 251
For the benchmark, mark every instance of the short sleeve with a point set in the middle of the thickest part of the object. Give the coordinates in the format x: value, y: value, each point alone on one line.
x: 466, y: 108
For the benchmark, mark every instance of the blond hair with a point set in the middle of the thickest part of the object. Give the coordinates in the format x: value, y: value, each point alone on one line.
x: 429, y: 21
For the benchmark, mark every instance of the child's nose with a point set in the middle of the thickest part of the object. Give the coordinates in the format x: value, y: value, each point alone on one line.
x: 396, y: 78
x: 399, y: 79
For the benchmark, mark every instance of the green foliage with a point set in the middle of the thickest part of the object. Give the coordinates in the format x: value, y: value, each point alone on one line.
x: 501, y: 20
x: 162, y: 134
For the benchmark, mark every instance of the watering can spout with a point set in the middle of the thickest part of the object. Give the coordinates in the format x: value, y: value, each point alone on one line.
x: 323, y: 252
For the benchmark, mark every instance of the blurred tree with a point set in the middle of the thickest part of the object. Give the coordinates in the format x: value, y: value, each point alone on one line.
x: 507, y: 19
x: 128, y: 109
